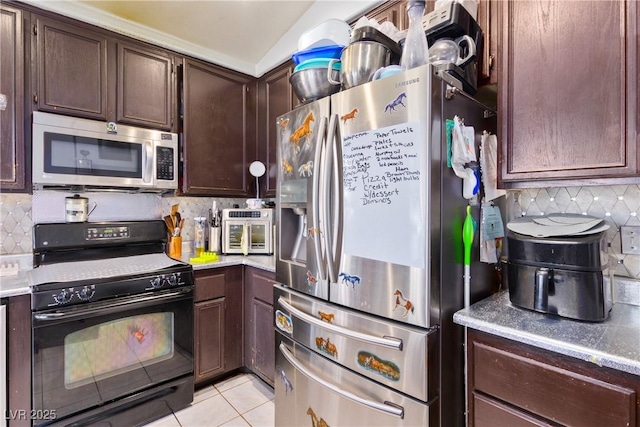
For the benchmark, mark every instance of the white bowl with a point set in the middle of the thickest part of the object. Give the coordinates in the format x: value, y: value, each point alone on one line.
x: 327, y: 33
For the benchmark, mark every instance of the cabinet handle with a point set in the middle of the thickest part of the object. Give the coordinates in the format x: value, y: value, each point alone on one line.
x: 35, y: 98
x: 492, y: 58
x: 3, y: 102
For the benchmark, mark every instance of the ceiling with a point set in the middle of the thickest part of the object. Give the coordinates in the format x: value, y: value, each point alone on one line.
x: 250, y: 36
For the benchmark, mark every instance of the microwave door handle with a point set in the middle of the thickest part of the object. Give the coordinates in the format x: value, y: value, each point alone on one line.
x: 147, y: 162
x: 315, y: 197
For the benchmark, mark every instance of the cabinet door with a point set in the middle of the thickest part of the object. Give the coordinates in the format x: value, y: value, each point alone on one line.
x: 13, y: 171
x: 219, y: 130
x: 259, y: 332
x: 209, y: 339
x: 508, y: 380
x: 392, y: 11
x: 233, y: 317
x: 263, y: 353
x: 71, y: 69
x: 275, y: 99
x: 19, y: 359
x: 487, y: 19
x: 145, y: 87
x: 568, y: 105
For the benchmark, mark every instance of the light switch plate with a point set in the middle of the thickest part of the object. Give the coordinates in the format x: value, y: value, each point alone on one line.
x: 630, y: 237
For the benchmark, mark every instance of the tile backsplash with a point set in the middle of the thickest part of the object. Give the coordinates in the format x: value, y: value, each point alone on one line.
x: 618, y: 205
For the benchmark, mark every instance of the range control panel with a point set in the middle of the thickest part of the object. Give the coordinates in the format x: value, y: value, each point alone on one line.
x: 96, y: 233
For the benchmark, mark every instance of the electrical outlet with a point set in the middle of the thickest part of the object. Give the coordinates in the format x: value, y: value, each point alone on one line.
x: 630, y: 237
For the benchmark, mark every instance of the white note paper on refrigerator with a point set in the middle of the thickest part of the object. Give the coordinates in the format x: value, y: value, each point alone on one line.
x: 384, y: 193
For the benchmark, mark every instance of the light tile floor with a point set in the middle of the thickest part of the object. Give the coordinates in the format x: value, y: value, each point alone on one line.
x: 239, y: 401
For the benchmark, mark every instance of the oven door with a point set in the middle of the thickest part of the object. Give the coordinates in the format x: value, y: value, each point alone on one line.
x: 89, y: 355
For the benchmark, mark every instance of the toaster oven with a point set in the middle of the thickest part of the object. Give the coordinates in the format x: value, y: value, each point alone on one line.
x: 247, y: 231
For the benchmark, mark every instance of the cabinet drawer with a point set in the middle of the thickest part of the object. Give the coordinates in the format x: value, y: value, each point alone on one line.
x: 263, y: 286
x: 557, y: 394
x: 209, y: 285
x: 491, y: 413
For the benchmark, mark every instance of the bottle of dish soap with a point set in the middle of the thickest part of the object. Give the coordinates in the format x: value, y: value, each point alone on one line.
x: 416, y: 50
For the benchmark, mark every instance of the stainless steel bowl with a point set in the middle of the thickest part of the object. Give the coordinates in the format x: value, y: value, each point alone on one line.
x: 312, y: 84
x: 360, y: 60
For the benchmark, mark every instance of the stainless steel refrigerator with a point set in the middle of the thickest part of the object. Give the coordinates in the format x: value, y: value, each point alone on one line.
x: 370, y: 257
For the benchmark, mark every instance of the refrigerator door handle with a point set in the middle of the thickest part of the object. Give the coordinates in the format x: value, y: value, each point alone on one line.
x: 332, y: 176
x: 337, y: 197
x: 397, y: 411
x: 315, y: 196
x: 391, y: 342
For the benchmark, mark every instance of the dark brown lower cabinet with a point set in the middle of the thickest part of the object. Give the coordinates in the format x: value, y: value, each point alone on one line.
x: 259, y: 333
x: 513, y: 384
x: 19, y: 359
x: 217, y: 322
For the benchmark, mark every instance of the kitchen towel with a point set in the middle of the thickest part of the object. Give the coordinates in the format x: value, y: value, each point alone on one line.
x: 489, y: 166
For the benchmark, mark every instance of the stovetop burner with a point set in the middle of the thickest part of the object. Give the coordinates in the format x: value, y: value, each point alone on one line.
x: 80, y: 263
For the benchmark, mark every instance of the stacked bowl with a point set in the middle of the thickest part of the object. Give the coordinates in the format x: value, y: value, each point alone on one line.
x: 316, y: 48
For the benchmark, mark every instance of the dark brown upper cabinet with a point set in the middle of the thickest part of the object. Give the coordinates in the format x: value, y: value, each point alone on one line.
x: 568, y: 106
x: 219, y: 125
x: 275, y: 99
x: 13, y: 168
x: 394, y: 12
x: 89, y: 73
x: 145, y: 87
x: 71, y: 69
x: 487, y: 57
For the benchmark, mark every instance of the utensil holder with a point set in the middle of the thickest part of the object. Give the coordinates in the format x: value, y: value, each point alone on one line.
x: 214, y: 239
x: 175, y: 247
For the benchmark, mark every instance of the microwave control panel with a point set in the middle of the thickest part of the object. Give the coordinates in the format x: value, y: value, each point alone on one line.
x: 164, y: 163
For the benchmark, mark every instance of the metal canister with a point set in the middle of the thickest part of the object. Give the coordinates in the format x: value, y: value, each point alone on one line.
x: 76, y: 208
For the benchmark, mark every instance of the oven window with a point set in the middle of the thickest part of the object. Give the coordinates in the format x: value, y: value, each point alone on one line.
x: 77, y: 155
x: 116, y: 347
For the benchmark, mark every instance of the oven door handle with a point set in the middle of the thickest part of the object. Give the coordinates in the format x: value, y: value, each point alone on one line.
x: 115, y: 306
x: 384, y: 407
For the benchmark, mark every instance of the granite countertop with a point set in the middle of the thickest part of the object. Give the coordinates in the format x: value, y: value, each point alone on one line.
x: 614, y: 343
x: 19, y: 284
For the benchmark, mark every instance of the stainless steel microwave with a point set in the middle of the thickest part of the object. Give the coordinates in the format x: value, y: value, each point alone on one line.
x: 247, y: 231
x: 70, y: 152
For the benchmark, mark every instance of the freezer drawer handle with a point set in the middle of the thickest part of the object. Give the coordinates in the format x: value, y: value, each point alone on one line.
x: 391, y: 342
x: 394, y: 410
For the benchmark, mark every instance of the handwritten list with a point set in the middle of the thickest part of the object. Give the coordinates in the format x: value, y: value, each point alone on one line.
x: 382, y: 178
